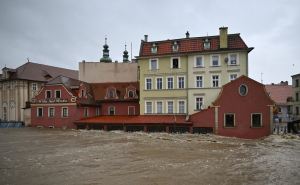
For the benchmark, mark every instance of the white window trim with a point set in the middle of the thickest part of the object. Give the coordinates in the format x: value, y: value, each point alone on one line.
x: 162, y: 82
x: 184, y: 84
x: 36, y: 86
x: 167, y: 83
x: 108, y: 110
x: 146, y: 107
x: 219, y: 83
x: 62, y: 112
x: 59, y: 93
x: 171, y: 63
x: 157, y: 63
x: 46, y: 93
x: 195, y: 61
x: 211, y: 60
x: 196, y: 81
x: 133, y: 110
x: 195, y: 99
x: 261, y: 120
x: 146, y: 83
x: 237, y: 59
x: 167, y: 107
x: 49, y: 112
x: 184, y: 112
x: 162, y: 107
x: 237, y: 75
x: 234, y: 123
x: 37, y: 112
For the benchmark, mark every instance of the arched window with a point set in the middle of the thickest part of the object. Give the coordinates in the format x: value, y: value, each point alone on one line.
x: 131, y: 94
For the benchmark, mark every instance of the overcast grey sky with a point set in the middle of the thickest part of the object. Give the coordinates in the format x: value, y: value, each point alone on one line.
x: 64, y: 32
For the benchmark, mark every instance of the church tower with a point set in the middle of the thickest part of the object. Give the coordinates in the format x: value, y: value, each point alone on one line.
x: 105, y: 57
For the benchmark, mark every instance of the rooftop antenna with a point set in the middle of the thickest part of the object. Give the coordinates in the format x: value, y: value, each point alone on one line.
x: 28, y: 59
x: 105, y: 39
x: 131, y: 51
x: 261, y: 77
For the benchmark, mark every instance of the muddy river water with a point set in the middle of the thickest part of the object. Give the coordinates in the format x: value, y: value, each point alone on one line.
x: 48, y: 156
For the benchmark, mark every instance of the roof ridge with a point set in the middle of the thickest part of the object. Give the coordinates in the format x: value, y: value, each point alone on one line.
x: 34, y: 63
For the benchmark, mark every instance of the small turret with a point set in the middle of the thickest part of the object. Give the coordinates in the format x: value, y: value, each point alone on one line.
x: 125, y: 56
x: 105, y: 57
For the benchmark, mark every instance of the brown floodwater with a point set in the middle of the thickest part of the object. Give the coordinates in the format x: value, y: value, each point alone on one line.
x: 49, y: 156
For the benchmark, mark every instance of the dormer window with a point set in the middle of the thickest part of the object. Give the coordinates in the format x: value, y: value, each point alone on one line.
x: 82, y: 93
x: 111, y: 93
x: 175, y: 46
x: 154, y: 48
x: 206, y: 44
x: 130, y: 94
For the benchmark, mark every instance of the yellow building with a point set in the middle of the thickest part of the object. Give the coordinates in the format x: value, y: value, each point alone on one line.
x: 183, y: 76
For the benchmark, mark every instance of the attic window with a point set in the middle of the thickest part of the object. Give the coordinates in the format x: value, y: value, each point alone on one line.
x: 206, y: 44
x: 175, y: 47
x: 111, y: 93
x: 243, y: 90
x: 47, y: 76
x: 131, y: 94
x: 154, y: 48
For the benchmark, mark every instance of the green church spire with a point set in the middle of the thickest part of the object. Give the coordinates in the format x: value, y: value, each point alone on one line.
x: 125, y: 56
x: 105, y: 57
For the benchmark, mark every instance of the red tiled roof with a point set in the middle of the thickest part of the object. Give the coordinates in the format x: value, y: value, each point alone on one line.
x: 189, y: 45
x: 100, y: 89
x: 279, y: 93
x: 135, y: 120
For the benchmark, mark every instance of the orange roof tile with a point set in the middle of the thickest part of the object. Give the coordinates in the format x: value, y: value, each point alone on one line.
x: 279, y: 93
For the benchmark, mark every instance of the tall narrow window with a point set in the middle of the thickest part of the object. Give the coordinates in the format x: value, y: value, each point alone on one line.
x: 97, y: 111
x: 206, y: 44
x: 111, y: 110
x: 297, y: 96
x: 148, y: 83
x: 232, y: 59
x: 51, y: 112
x: 85, y: 111
x: 297, y: 83
x: 149, y: 107
x: 175, y: 46
x: 181, y: 106
x: 159, y: 83
x: 131, y: 94
x: 256, y: 120
x: 159, y: 107
x: 215, y: 60
x: 153, y: 64
x: 170, y: 82
x: 181, y: 82
x: 48, y: 94
x: 5, y: 113
x: 175, y: 63
x: 199, y: 81
x: 57, y: 94
x: 215, y: 81
x: 65, y: 112
x: 199, y: 61
x: 170, y: 107
x: 131, y: 110
x: 199, y: 103
x: 154, y: 48
x: 229, y: 120
x: 39, y: 112
x: 34, y: 86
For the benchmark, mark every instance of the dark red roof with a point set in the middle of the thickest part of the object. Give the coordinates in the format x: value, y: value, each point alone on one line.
x: 194, y: 44
x: 100, y: 89
x: 136, y: 120
x: 280, y: 93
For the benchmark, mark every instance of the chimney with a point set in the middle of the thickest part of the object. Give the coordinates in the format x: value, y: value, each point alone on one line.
x: 187, y: 34
x: 146, y: 38
x: 223, y: 37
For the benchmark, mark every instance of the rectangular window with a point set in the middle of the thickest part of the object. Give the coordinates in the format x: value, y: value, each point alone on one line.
x: 111, y: 110
x: 51, y: 112
x: 199, y: 81
x: 159, y: 107
x: 159, y: 83
x: 34, y: 86
x: 215, y: 60
x: 296, y: 83
x: 131, y: 110
x: 297, y: 96
x: 97, y: 111
x: 233, y: 59
x: 39, y: 112
x: 57, y: 94
x: 181, y: 106
x: 256, y: 120
x: 175, y: 63
x: 215, y: 81
x: 64, y: 112
x: 232, y: 77
x: 199, y: 61
x: 48, y: 94
x: 170, y: 106
x: 149, y: 107
x: 229, y: 120
x: 181, y: 82
x: 148, y: 83
x: 297, y: 110
x: 170, y: 82
x: 153, y: 64
x: 85, y: 111
x: 199, y: 103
